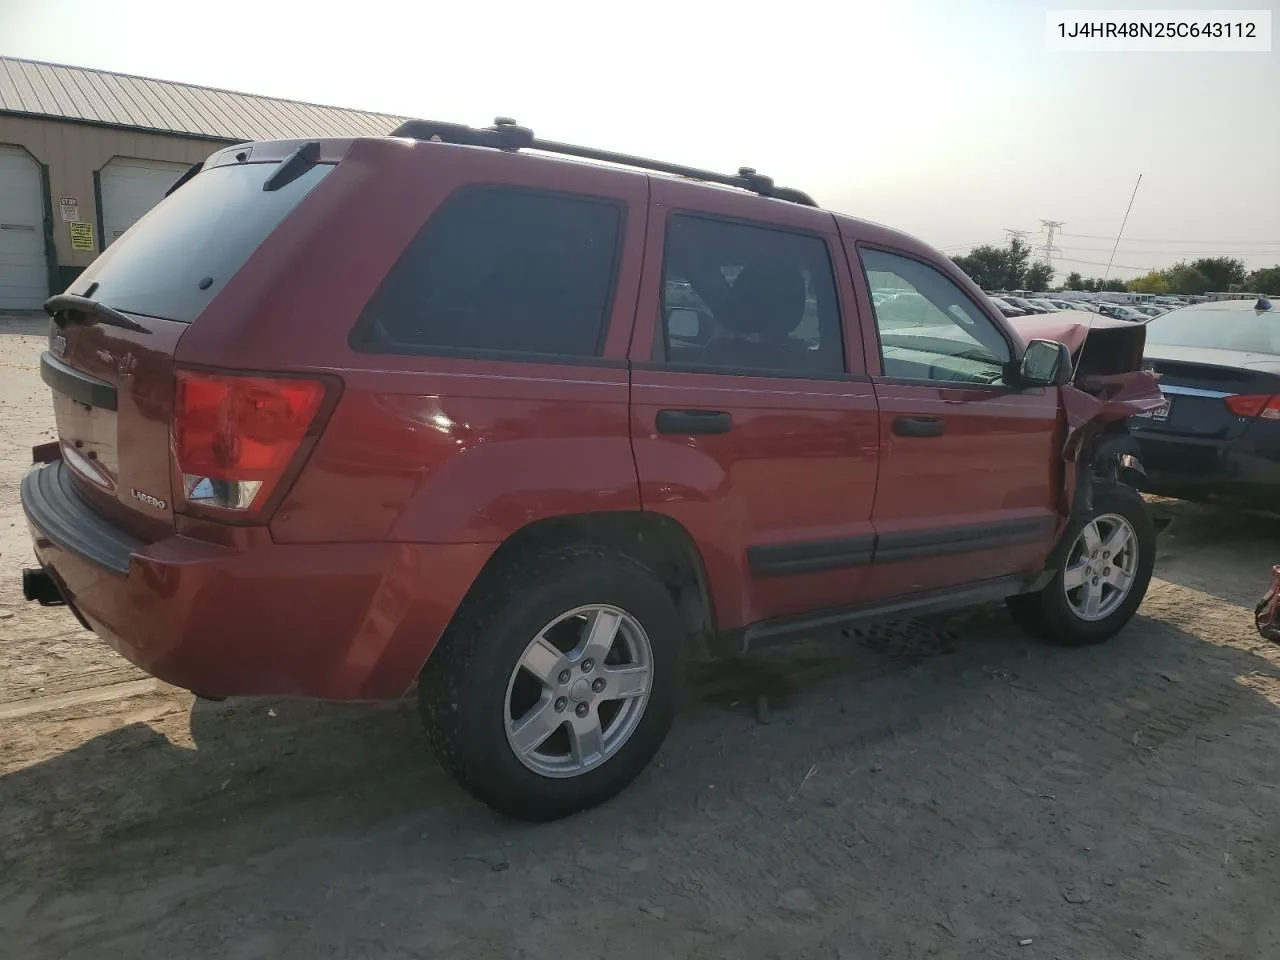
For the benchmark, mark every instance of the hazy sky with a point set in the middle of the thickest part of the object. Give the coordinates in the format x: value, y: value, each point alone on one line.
x: 946, y: 118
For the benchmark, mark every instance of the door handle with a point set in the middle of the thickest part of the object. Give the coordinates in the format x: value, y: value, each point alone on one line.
x: 919, y: 426
x: 693, y: 422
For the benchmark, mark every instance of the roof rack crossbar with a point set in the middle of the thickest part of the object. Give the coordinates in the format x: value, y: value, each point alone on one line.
x: 505, y: 134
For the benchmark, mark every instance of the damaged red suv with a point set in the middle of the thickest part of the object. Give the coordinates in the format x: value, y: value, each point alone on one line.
x: 454, y: 410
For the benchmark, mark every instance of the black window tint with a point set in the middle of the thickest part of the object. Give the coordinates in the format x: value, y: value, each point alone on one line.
x: 748, y: 299
x: 501, y: 270
x: 929, y: 328
x: 182, y: 252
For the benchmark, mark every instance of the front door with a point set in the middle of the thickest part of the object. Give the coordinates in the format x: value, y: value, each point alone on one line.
x: 970, y: 468
x: 752, y: 419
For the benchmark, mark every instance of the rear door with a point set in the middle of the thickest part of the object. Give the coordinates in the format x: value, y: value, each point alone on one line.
x: 970, y: 468
x: 112, y: 381
x: 752, y: 419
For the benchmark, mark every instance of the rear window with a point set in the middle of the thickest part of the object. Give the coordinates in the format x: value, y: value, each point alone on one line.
x: 1217, y: 329
x: 198, y: 236
x: 500, y: 271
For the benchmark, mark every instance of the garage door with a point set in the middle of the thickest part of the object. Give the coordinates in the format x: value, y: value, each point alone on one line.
x: 129, y: 189
x: 24, y: 276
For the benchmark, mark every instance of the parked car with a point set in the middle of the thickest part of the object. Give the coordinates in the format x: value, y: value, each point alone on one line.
x: 1219, y: 437
x: 1023, y: 304
x: 1007, y: 308
x: 1150, y: 310
x: 1048, y: 305
x: 1121, y: 312
x: 339, y: 417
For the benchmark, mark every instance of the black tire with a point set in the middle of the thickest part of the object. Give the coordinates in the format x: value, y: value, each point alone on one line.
x: 462, y: 694
x: 1048, y: 614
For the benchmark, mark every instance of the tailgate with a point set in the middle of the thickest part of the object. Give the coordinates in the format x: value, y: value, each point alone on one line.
x: 113, y: 399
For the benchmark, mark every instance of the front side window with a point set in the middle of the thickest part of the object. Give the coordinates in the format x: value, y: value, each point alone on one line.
x: 747, y: 299
x: 929, y: 328
x: 501, y: 270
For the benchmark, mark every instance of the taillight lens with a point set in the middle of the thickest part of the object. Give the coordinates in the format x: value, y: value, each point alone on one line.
x: 235, y: 436
x: 1255, y: 405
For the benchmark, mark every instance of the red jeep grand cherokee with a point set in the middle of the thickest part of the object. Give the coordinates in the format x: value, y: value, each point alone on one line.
x: 447, y: 408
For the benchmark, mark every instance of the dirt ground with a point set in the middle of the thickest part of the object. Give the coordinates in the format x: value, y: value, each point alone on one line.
x: 942, y: 789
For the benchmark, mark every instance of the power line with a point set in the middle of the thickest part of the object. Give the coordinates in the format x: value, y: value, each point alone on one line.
x: 1095, y: 236
x: 1099, y: 263
x: 1216, y: 252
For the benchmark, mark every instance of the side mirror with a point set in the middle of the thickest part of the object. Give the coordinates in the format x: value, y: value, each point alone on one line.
x: 1045, y: 363
x: 684, y: 324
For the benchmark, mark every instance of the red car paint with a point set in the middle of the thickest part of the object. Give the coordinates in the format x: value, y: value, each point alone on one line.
x: 419, y: 468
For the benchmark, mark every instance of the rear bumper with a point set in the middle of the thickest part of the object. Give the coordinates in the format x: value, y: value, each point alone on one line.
x: 1231, y: 472
x: 336, y: 620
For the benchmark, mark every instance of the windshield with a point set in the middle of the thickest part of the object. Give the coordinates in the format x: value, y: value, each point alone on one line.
x: 177, y: 258
x: 1249, y: 330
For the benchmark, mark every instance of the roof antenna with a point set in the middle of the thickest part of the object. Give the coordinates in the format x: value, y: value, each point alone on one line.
x: 1089, y: 324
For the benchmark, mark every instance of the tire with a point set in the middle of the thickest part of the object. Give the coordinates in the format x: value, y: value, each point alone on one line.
x: 476, y: 690
x: 1061, y: 615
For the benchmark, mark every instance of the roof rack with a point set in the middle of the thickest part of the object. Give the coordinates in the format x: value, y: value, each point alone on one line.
x: 506, y: 134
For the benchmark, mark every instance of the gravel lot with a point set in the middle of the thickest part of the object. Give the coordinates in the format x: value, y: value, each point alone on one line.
x: 939, y: 789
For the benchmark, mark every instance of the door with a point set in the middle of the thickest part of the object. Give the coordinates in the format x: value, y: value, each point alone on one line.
x: 970, y: 468
x: 753, y: 422
x: 24, y: 274
x: 129, y: 188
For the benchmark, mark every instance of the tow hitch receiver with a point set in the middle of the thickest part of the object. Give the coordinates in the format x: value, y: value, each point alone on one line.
x: 37, y: 585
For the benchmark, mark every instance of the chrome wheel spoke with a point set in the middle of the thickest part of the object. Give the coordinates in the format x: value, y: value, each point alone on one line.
x: 624, y: 682
x: 1092, y: 600
x: 532, y: 730
x: 1090, y: 537
x: 587, y: 740
x: 543, y: 660
x: 1074, y: 576
x: 1118, y: 542
x: 600, y: 634
x: 1117, y: 577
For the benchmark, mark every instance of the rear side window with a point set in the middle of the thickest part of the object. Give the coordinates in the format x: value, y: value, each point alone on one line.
x: 740, y: 298
x: 178, y: 257
x: 501, y: 270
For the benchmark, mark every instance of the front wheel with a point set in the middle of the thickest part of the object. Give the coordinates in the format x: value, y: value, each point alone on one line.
x: 1103, y: 576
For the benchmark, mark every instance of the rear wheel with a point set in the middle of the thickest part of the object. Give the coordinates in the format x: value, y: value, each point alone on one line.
x: 1103, y: 577
x: 556, y: 685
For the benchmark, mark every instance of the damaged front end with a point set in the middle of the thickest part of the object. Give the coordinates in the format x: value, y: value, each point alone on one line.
x: 1108, y: 387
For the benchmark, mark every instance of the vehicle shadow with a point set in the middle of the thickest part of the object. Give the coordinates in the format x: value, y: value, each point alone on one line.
x: 133, y: 845
x: 1224, y: 552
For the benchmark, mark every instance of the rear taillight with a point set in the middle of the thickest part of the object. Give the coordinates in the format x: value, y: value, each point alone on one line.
x: 235, y: 437
x: 1254, y: 405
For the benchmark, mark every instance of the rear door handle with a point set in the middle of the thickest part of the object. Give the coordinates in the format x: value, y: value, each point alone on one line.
x: 919, y: 426
x: 693, y: 422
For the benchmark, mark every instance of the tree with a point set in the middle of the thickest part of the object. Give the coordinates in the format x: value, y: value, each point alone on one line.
x: 1157, y: 281
x: 1184, y: 278
x: 996, y: 268
x: 985, y: 266
x: 1016, y: 263
x: 1074, y: 281
x: 1223, y: 273
x: 1113, y: 283
x: 1038, y: 276
x: 1265, y: 280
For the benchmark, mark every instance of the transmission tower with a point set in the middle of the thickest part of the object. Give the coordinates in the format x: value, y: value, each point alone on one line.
x: 1017, y: 234
x: 1051, y: 227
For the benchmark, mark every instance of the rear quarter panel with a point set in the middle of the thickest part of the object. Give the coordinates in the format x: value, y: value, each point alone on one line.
x: 421, y: 448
